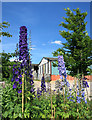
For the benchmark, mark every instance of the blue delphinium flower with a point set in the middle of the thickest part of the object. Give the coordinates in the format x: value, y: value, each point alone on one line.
x: 19, y: 91
x: 14, y: 85
x: 67, y: 84
x: 85, y: 84
x: 16, y: 79
x: 38, y: 92
x: 16, y: 76
x: 20, y: 82
x: 70, y: 89
x: 48, y: 86
x: 62, y: 71
x: 78, y: 99
x: 61, y: 67
x: 84, y: 100
x: 68, y: 97
x: 25, y: 62
x: 82, y: 89
x: 12, y: 79
x: 83, y: 94
x: 43, y: 86
x: 72, y: 100
x: 24, y: 56
x: 77, y: 92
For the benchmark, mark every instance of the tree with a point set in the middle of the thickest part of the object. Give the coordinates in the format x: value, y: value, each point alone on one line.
x: 78, y: 47
x: 2, y: 26
x: 6, y: 65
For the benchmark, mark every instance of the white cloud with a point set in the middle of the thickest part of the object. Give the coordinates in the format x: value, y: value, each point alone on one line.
x: 57, y: 42
x: 14, y: 59
x: 33, y: 47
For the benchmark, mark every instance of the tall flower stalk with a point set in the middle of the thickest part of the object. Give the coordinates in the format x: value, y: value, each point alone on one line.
x: 63, y: 75
x: 43, y: 86
x: 25, y: 58
x: 62, y: 71
x: 22, y: 73
x: 61, y: 67
x: 25, y: 61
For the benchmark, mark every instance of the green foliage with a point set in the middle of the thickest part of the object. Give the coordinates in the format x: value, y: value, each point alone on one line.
x: 77, y: 49
x: 12, y: 103
x: 2, y: 26
x: 40, y: 108
x: 7, y: 65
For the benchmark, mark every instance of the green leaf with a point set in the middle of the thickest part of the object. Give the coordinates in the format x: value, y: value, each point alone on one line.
x: 5, y: 114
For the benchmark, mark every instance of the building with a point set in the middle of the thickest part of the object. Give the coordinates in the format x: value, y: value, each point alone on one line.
x: 46, y: 67
x: 50, y: 72
x: 35, y: 71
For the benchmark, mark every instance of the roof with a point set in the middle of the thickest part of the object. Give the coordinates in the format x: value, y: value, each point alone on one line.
x: 49, y: 58
x: 34, y: 64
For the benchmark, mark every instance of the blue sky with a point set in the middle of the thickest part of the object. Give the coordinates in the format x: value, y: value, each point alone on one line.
x: 43, y: 19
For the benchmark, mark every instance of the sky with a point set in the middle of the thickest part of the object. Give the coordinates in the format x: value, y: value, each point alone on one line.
x: 43, y: 19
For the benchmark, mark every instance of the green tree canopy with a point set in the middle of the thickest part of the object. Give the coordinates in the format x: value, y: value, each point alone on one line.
x: 2, y: 26
x: 78, y: 47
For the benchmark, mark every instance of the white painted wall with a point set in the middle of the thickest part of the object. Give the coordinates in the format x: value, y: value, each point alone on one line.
x: 49, y: 67
x: 44, y: 61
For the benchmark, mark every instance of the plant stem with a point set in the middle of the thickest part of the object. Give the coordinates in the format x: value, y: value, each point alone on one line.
x: 51, y: 103
x: 22, y: 96
x: 54, y: 113
x: 76, y: 94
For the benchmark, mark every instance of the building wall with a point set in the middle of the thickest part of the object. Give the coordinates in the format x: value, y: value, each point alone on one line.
x: 57, y: 77
x: 55, y: 70
x: 43, y: 68
x: 35, y: 75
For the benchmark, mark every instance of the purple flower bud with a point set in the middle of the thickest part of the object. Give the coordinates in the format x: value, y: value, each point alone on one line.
x: 20, y: 76
x: 70, y: 89
x: 85, y: 84
x: 16, y: 72
x: 62, y: 70
x: 20, y: 82
x: 12, y: 79
x: 83, y: 94
x: 19, y: 91
x: 68, y: 97
x: 78, y: 101
x: 77, y: 93
x: 14, y: 85
x: 43, y: 86
x: 17, y: 79
x: 85, y: 101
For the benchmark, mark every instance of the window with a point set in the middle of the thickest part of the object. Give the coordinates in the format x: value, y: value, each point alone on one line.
x: 39, y: 69
x: 48, y: 67
x: 45, y: 68
x: 42, y: 69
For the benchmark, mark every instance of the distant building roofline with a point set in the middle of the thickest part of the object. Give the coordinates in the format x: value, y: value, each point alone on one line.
x: 49, y: 58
